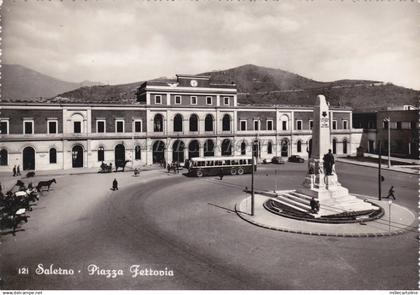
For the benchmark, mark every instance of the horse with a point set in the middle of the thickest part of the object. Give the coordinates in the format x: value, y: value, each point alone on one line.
x: 121, y: 164
x: 45, y: 183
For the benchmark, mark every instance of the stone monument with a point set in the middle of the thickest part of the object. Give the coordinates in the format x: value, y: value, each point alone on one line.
x: 321, y: 181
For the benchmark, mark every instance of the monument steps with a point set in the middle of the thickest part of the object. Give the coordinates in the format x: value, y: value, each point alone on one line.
x: 290, y: 205
x: 297, y: 203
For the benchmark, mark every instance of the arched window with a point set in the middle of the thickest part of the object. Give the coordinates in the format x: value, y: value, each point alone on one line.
x: 193, y: 123
x: 345, y: 146
x: 209, y: 148
x: 299, y: 146
x: 334, y: 146
x: 269, y: 148
x: 101, y: 154
x: 137, y: 153
x: 284, y: 122
x: 178, y: 123
x: 243, y: 148
x: 158, y: 123
x: 3, y: 157
x: 226, y: 123
x: 226, y: 148
x: 53, y: 156
x: 208, y: 123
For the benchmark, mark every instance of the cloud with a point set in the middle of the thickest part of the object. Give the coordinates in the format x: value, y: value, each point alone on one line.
x: 128, y: 41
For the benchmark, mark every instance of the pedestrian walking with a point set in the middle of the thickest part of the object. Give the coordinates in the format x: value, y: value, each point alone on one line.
x: 14, y: 170
x: 391, y: 192
x: 115, y: 185
x: 221, y: 174
x: 168, y: 167
x: 18, y: 170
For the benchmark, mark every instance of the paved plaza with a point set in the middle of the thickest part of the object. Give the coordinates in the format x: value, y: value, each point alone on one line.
x: 189, y: 225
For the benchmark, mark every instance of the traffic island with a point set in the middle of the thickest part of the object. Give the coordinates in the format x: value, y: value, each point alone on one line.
x: 400, y: 221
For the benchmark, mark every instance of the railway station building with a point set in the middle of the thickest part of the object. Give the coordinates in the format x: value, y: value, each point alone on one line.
x: 171, y: 120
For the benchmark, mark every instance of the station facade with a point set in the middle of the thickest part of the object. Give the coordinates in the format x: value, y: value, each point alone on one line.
x: 172, y: 120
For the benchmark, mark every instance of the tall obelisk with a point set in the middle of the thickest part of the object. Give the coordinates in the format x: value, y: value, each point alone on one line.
x: 317, y: 183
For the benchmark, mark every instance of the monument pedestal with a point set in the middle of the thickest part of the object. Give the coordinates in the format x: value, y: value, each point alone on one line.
x: 332, y: 196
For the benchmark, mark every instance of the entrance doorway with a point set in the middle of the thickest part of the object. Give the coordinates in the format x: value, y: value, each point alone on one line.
x: 284, y: 148
x: 193, y: 149
x: 256, y: 149
x: 77, y: 156
x: 178, y: 151
x: 119, y: 155
x: 28, y: 158
x: 158, y: 152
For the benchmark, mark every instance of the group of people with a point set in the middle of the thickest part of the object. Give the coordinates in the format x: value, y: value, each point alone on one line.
x: 16, y: 170
x: 173, y: 166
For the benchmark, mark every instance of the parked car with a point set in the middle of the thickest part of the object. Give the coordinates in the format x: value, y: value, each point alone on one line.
x: 296, y: 159
x: 277, y: 160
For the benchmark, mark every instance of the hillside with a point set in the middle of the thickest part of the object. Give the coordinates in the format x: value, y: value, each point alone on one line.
x: 21, y: 83
x: 261, y: 85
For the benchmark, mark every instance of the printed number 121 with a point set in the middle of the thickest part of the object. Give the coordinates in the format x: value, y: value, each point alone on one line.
x: 23, y: 271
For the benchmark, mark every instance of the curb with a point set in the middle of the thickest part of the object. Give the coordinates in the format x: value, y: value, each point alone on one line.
x: 321, y: 234
x: 372, y: 166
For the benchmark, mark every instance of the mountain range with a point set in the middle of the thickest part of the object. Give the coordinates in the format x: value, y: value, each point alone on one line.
x: 21, y: 83
x: 256, y: 85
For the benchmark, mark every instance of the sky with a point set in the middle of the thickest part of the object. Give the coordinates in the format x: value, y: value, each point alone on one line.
x: 125, y: 41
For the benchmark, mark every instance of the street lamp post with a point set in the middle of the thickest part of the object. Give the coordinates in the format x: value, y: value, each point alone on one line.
x: 133, y: 127
x: 389, y: 140
x: 379, y: 171
x: 389, y: 219
x: 252, y: 186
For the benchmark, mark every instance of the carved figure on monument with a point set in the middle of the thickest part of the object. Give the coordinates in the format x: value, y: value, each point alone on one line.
x: 328, y: 162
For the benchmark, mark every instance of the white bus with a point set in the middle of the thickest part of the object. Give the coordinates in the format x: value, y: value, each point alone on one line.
x: 207, y: 166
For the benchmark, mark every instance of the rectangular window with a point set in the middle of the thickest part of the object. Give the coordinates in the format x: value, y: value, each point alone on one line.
x: 137, y: 126
x: 299, y: 124
x: 4, y: 127
x: 334, y: 124
x: 177, y: 99
x: 345, y: 124
x: 398, y: 125
x: 28, y: 127
x: 393, y: 125
x: 100, y: 126
x: 385, y: 124
x: 284, y: 125
x: 269, y: 124
x: 256, y: 125
x: 77, y: 127
x: 193, y: 99
x: 158, y: 99
x: 209, y: 100
x: 311, y: 124
x: 52, y: 127
x: 226, y: 100
x: 243, y: 125
x: 405, y: 125
x: 119, y: 126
